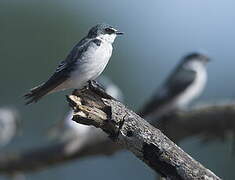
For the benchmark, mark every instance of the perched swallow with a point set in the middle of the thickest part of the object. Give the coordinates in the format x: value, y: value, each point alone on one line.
x: 184, y: 84
x: 85, y: 62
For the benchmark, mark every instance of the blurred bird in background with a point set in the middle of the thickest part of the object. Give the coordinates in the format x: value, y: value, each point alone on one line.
x: 68, y: 129
x: 9, y: 124
x: 85, y: 62
x: 183, y: 85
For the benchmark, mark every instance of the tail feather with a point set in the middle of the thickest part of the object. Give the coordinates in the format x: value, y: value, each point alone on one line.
x: 35, y: 94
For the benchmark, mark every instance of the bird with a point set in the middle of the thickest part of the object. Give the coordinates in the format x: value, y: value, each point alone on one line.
x: 184, y: 84
x: 9, y: 124
x: 85, y: 62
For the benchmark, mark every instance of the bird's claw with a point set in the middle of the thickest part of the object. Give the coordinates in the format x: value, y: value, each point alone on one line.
x: 98, y: 89
x: 92, y: 84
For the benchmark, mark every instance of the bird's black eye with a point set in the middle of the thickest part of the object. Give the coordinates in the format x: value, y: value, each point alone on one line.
x: 109, y: 30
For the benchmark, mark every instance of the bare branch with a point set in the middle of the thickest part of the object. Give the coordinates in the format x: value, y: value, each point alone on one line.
x: 41, y: 158
x: 214, y: 121
x: 135, y: 134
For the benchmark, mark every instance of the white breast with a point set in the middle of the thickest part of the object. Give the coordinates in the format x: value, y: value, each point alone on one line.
x: 194, y: 90
x: 91, y: 65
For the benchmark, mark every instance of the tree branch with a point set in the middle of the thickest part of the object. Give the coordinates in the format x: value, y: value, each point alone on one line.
x: 44, y: 157
x: 135, y: 134
x: 212, y: 120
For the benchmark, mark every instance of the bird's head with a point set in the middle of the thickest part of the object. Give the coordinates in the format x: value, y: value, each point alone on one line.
x: 197, y: 58
x: 104, y: 32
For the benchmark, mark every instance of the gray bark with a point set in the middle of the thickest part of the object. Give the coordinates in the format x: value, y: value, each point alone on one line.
x: 215, y: 120
x: 135, y: 134
x: 211, y: 122
x: 44, y: 157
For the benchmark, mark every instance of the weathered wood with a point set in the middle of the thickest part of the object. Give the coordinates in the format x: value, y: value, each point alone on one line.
x: 135, y: 134
x: 213, y: 120
x: 45, y: 157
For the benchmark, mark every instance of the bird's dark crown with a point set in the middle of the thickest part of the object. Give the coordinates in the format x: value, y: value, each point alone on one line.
x: 196, y: 57
x: 102, y: 28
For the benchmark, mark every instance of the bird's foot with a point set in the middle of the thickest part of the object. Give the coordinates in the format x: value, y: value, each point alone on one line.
x: 94, y: 84
x: 75, y: 91
x: 98, y: 89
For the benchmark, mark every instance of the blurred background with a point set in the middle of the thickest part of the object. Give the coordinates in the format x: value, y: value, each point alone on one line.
x: 36, y: 35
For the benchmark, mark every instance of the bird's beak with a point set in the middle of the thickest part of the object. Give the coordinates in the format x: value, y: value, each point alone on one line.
x: 119, y: 33
x: 208, y: 59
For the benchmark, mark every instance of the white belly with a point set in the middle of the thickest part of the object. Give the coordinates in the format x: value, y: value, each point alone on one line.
x: 192, y: 92
x: 195, y: 89
x: 89, y: 67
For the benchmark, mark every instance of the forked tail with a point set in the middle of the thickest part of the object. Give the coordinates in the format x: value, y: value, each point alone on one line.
x: 36, y: 94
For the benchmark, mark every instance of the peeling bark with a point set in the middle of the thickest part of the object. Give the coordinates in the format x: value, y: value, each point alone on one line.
x: 135, y: 134
x: 213, y: 120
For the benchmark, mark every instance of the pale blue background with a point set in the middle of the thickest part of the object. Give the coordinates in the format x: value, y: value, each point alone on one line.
x: 35, y: 35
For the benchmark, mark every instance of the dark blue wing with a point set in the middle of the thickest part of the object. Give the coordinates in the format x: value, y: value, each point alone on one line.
x: 180, y: 81
x: 62, y: 72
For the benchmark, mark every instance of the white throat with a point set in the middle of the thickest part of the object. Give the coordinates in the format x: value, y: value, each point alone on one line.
x: 196, y: 66
x: 196, y: 88
x: 107, y: 37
